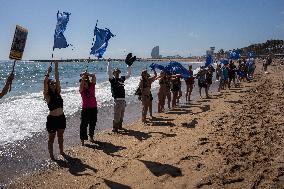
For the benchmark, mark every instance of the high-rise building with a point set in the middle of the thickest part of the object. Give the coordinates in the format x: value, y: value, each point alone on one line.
x: 155, y: 52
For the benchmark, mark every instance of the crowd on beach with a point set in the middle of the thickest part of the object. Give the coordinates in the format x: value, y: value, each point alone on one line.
x: 170, y: 89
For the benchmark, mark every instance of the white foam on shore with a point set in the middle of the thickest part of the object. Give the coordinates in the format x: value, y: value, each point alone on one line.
x: 22, y: 116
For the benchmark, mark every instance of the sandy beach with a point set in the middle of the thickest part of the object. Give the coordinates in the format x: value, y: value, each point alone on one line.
x: 233, y: 140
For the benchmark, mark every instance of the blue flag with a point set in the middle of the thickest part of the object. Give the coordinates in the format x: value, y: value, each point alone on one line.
x: 172, y: 68
x: 177, y: 68
x: 224, y: 61
x: 250, y: 55
x: 59, y: 38
x: 209, y: 60
x: 234, y: 55
x: 154, y: 66
x: 101, y: 43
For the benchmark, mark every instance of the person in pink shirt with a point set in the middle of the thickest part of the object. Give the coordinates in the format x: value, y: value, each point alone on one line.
x: 89, y: 106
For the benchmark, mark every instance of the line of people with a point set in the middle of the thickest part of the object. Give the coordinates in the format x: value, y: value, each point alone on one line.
x: 170, y: 90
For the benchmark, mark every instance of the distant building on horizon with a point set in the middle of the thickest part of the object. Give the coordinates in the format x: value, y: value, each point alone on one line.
x: 175, y: 56
x: 156, y: 52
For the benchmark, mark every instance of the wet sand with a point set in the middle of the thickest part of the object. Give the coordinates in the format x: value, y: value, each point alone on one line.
x: 233, y: 140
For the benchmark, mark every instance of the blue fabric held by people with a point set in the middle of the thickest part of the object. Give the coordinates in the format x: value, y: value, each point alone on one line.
x: 234, y: 55
x: 209, y: 60
x: 59, y: 38
x: 177, y: 68
x: 101, y: 43
x: 172, y: 68
x: 224, y: 61
x: 155, y: 66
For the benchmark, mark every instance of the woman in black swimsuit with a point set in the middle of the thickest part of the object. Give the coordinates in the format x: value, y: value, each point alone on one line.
x: 56, y: 121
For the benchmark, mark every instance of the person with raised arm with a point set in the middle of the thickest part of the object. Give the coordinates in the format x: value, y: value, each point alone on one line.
x: 145, y: 86
x: 118, y: 94
x: 56, y: 121
x: 7, y: 85
x: 89, y: 106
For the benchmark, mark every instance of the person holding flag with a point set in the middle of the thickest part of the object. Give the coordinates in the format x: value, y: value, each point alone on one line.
x: 118, y: 94
x: 89, y: 106
x: 7, y: 85
x: 56, y: 121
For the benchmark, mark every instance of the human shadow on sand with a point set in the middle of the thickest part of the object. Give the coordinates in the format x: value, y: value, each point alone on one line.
x: 234, y: 101
x: 115, y: 185
x: 161, y: 121
x: 159, y: 169
x: 164, y: 134
x: 137, y: 134
x: 179, y: 111
x: 106, y: 147
x: 191, y: 124
x: 76, y: 166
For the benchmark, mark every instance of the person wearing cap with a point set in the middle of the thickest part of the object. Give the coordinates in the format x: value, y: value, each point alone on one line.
x: 7, y: 85
x: 118, y: 93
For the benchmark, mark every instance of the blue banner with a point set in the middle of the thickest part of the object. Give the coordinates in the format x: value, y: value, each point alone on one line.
x: 172, y: 68
x: 209, y: 60
x: 224, y: 61
x: 59, y: 38
x: 101, y: 43
x: 234, y: 55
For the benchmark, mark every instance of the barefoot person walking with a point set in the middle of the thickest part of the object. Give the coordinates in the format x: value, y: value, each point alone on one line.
x: 89, y: 106
x: 118, y: 93
x: 56, y: 121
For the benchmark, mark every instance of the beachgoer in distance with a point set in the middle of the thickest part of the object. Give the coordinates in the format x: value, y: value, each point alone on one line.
x: 251, y: 67
x: 168, y: 89
x: 89, y: 106
x: 266, y: 63
x: 218, y: 72
x: 242, y: 70
x: 209, y: 77
x: 175, y: 88
x: 232, y: 74
x: 162, y: 92
x: 56, y: 121
x: 201, y: 76
x: 145, y: 86
x: 118, y: 93
x: 189, y: 83
x: 7, y: 85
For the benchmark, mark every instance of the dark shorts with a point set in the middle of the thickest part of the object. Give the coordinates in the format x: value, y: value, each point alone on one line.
x: 202, y: 85
x: 89, y: 115
x: 176, y: 88
x: 151, y: 96
x: 54, y: 123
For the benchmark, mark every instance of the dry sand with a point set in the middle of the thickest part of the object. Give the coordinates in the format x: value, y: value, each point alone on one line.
x: 234, y: 140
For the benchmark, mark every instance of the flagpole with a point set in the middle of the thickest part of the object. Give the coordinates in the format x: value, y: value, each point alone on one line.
x: 12, y: 73
x: 93, y: 41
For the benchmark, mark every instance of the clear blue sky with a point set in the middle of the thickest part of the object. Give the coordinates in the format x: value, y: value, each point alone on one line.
x: 181, y: 27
